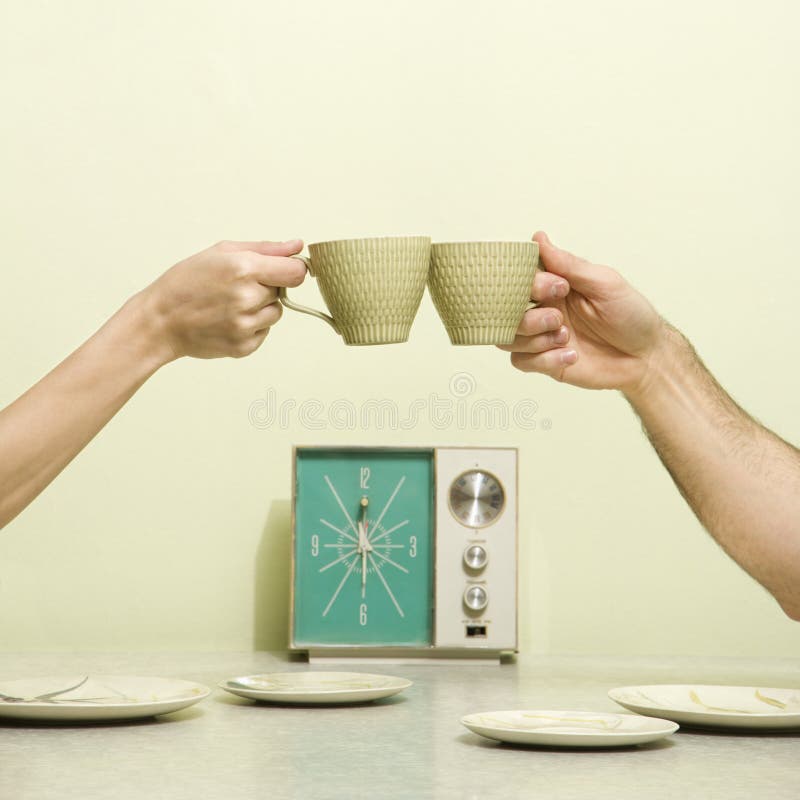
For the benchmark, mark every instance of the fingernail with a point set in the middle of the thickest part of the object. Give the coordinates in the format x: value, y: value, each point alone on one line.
x: 551, y: 321
x: 569, y: 357
x: 562, y: 335
x: 560, y: 289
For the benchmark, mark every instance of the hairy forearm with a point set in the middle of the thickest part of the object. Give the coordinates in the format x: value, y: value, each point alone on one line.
x: 741, y: 480
x: 43, y: 430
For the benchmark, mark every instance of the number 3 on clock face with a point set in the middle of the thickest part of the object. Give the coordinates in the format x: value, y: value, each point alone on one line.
x: 363, y: 547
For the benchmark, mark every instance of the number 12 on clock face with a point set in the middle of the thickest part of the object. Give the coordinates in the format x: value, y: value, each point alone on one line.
x: 363, y: 547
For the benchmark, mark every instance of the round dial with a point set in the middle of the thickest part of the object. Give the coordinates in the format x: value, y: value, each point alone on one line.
x: 476, y: 557
x: 476, y: 598
x: 477, y: 498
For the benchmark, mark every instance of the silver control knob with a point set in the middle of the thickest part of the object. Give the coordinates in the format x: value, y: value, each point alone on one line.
x: 477, y: 498
x: 476, y: 598
x: 475, y: 557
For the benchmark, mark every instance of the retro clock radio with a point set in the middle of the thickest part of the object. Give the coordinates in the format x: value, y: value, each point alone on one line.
x: 404, y: 552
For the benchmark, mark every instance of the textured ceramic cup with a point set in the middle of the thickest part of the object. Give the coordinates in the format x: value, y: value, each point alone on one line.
x: 372, y: 287
x: 482, y: 289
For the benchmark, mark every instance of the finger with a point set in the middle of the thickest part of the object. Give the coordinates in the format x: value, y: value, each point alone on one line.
x: 552, y: 362
x: 248, y: 346
x: 254, y: 296
x: 548, y: 286
x: 537, y: 344
x: 583, y: 276
x: 267, y: 317
x: 270, y: 295
x: 278, y: 270
x: 540, y: 320
x: 287, y: 248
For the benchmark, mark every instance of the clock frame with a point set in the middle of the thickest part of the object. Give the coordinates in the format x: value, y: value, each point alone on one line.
x: 383, y: 566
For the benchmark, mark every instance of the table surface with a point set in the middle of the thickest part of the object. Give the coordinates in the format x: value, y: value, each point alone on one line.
x: 411, y: 745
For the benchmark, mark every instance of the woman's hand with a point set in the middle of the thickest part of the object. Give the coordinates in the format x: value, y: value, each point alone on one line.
x: 223, y: 300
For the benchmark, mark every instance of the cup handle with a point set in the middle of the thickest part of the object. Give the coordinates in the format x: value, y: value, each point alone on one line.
x: 286, y: 302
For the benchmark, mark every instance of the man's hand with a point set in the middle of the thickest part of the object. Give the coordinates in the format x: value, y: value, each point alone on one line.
x: 741, y: 480
x: 222, y: 301
x: 592, y: 330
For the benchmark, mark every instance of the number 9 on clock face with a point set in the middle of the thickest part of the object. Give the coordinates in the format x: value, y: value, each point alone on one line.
x: 363, y: 547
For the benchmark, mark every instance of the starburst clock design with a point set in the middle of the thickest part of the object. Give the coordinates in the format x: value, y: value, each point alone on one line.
x: 367, y: 572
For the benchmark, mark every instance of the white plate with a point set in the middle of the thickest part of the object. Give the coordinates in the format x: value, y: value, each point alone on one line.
x: 315, y: 687
x: 568, y: 728
x: 714, y: 706
x: 93, y: 698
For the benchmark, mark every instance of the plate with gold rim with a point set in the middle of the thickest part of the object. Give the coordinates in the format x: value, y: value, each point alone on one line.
x: 96, y: 698
x: 315, y: 687
x: 713, y: 706
x: 559, y: 728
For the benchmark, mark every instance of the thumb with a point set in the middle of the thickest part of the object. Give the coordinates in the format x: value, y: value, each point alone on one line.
x: 581, y: 275
x: 287, y: 248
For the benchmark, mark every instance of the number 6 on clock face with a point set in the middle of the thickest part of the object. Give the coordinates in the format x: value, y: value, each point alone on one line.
x: 363, y: 549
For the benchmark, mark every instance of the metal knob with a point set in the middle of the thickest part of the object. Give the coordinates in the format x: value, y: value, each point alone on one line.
x: 476, y: 598
x: 475, y: 557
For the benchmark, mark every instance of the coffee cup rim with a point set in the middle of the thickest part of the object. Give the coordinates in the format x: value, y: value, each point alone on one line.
x: 484, y: 241
x: 372, y: 239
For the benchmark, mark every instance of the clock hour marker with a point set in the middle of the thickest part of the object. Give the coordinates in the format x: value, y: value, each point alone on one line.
x: 339, y: 588
x: 393, y: 563
x: 338, y: 560
x: 386, y: 586
x: 338, y: 530
x: 385, y: 508
x: 387, y: 532
x: 341, y: 505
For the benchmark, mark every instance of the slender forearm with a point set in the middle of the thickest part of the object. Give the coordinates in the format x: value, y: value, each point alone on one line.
x: 741, y: 480
x: 42, y: 431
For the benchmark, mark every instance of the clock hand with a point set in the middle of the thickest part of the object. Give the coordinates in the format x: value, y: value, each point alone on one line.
x: 363, y: 574
x: 363, y: 511
x: 363, y: 544
x: 362, y: 548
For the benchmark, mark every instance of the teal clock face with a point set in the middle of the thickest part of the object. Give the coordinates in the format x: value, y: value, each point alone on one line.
x: 363, y: 547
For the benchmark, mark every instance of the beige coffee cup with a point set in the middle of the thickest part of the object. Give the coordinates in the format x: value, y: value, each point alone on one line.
x: 482, y: 289
x: 372, y: 287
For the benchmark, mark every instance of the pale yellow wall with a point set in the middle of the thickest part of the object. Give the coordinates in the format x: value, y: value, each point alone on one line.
x: 658, y: 137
